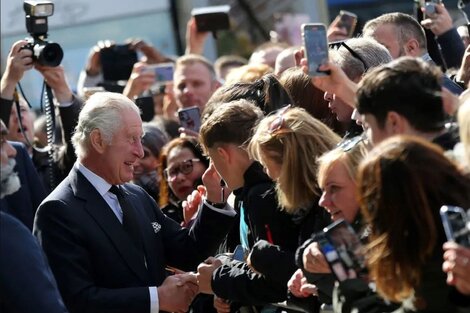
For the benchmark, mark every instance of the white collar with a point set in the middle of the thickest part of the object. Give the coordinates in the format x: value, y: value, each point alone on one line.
x: 98, y: 182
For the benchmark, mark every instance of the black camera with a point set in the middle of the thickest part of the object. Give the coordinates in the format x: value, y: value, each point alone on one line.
x: 44, y: 52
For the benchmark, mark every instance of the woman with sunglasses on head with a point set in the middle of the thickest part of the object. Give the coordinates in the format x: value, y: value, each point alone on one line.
x: 403, y: 183
x: 287, y: 144
x: 181, y: 167
x: 336, y: 177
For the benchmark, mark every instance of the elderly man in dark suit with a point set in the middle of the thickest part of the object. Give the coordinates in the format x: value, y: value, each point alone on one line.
x: 107, y: 242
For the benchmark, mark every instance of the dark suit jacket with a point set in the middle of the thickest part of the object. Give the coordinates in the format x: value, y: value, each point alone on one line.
x: 24, y: 203
x: 94, y: 262
x: 26, y: 281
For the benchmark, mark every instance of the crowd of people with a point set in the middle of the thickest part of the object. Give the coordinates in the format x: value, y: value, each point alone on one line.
x: 119, y: 215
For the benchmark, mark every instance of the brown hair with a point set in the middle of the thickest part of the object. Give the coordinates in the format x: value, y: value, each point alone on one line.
x: 232, y: 122
x: 403, y: 182
x: 190, y: 143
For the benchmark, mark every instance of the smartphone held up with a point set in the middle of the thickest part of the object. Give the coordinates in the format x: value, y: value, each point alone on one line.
x: 316, y: 47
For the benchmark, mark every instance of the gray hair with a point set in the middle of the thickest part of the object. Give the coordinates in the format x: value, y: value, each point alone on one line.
x: 154, y: 138
x: 371, y: 52
x: 407, y: 27
x: 101, y: 111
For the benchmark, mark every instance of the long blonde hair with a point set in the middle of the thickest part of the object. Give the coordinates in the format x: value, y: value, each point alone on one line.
x: 295, y: 145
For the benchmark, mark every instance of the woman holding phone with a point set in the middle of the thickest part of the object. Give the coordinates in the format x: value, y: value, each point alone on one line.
x: 403, y: 183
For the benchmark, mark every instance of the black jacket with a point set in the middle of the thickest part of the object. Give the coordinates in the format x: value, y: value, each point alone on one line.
x: 273, y: 254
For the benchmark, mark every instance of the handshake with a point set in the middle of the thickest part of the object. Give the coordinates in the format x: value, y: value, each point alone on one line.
x: 179, y: 290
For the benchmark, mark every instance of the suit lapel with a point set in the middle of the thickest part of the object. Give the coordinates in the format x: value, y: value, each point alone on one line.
x: 148, y: 237
x: 108, y: 222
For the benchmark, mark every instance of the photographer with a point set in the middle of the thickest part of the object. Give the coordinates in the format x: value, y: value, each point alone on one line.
x: 20, y: 60
x: 92, y: 75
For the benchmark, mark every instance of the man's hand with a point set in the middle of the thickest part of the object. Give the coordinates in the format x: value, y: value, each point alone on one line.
x: 221, y: 305
x: 204, y: 274
x: 336, y: 82
x: 313, y: 259
x: 192, y: 203
x: 177, y: 292
x: 139, y: 81
x: 299, y: 286
x: 194, y: 40
x: 18, y: 61
x: 438, y: 22
x: 93, y: 66
x: 151, y: 54
x: 55, y: 78
x: 211, y: 180
x: 336, y: 32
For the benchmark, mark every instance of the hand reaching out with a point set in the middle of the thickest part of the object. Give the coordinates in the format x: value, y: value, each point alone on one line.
x: 139, y: 81
x: 204, y: 274
x: 192, y: 203
x: 177, y: 292
x: 438, y: 22
x: 194, y: 40
x: 18, y: 61
x: 221, y: 305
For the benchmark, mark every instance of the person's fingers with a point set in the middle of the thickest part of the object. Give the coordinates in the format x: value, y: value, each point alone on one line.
x: 16, y: 47
x: 202, y: 190
x: 308, y: 289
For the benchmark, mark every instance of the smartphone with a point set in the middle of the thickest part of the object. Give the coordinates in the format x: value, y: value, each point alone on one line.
x: 348, y: 20
x: 456, y: 224
x: 212, y: 18
x: 163, y: 71
x: 239, y: 253
x: 430, y: 6
x: 343, y: 250
x: 147, y: 108
x: 190, y: 118
x: 117, y: 62
x: 316, y: 47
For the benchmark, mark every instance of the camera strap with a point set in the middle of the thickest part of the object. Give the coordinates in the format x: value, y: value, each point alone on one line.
x: 47, y: 106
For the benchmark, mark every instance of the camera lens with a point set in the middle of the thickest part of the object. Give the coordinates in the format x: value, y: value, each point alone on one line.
x: 49, y: 54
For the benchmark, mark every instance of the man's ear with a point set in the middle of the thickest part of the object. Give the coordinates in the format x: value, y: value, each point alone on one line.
x: 97, y: 141
x: 396, y: 124
x: 412, y: 48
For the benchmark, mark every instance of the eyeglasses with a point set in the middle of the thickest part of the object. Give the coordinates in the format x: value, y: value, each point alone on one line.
x: 349, y: 143
x: 185, y: 167
x: 278, y: 123
x: 338, y: 44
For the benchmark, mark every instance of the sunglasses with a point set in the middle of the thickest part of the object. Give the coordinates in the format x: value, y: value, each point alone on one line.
x: 185, y: 167
x: 278, y: 123
x: 338, y: 44
x: 349, y: 143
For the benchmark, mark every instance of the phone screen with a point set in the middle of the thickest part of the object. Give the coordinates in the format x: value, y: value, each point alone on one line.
x: 344, y: 245
x: 190, y: 118
x: 163, y: 72
x: 239, y: 253
x: 456, y: 224
x: 316, y: 47
x: 348, y: 20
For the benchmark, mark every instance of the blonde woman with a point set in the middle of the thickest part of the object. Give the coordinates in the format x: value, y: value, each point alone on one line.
x: 287, y: 144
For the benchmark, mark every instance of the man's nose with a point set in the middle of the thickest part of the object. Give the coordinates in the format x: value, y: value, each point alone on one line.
x: 139, y: 150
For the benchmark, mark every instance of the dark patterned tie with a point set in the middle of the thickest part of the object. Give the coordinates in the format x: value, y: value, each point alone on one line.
x: 129, y: 220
